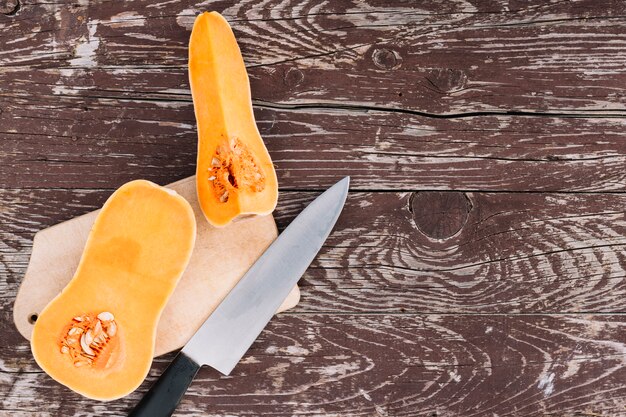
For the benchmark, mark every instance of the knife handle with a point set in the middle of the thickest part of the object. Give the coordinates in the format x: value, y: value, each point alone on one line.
x: 163, y: 397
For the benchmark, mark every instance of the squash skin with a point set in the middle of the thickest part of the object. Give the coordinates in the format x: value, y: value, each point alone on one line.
x: 223, y: 108
x: 136, y: 252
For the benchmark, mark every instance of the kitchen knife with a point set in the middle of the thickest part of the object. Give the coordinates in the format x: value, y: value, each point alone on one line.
x: 234, y: 325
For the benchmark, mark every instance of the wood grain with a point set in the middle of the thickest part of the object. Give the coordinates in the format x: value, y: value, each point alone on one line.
x: 378, y: 89
x: 514, y: 253
x: 438, y: 57
x: 385, y: 365
x: 479, y: 267
x: 65, y: 142
x: 355, y: 345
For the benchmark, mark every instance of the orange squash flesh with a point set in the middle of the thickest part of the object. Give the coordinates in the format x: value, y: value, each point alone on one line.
x: 234, y: 172
x: 136, y: 252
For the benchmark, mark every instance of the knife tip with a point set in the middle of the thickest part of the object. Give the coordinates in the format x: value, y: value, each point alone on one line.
x: 344, y: 183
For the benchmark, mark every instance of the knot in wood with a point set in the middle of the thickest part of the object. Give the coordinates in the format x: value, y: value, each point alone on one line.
x: 386, y: 59
x: 440, y: 215
x: 447, y: 80
x: 9, y: 7
x: 293, y: 77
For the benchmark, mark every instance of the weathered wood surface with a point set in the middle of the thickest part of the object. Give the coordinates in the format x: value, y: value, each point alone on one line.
x: 312, y: 147
x: 388, y: 365
x: 108, y: 81
x: 503, y: 252
x: 441, y: 57
x: 479, y: 268
x: 357, y: 344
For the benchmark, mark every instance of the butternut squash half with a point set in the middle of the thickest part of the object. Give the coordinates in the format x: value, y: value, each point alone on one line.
x: 97, y: 336
x: 234, y: 173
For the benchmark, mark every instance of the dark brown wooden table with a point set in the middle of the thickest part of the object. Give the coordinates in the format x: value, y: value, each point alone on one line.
x: 479, y: 266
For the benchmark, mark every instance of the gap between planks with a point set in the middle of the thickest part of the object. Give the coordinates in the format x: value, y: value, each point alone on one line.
x: 356, y: 107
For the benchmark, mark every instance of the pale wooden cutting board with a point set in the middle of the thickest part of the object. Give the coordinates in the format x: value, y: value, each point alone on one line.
x: 220, y: 258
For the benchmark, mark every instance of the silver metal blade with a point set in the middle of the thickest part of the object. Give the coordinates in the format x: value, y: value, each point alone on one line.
x: 228, y: 333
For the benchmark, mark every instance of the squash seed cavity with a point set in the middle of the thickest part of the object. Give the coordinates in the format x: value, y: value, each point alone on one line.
x: 234, y: 167
x: 87, y: 336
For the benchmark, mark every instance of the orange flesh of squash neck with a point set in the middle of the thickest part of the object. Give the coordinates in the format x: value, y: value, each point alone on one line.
x: 135, y: 254
x: 234, y: 173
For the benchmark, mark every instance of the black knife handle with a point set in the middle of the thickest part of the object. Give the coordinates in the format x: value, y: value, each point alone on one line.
x: 168, y: 390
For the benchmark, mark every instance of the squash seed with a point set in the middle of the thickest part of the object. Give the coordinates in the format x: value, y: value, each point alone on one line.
x: 106, y: 316
x: 85, y: 341
x: 97, y: 329
x: 111, y: 329
x: 87, y: 337
x: 75, y: 330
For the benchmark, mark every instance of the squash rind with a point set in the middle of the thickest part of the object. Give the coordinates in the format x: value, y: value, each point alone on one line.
x: 223, y: 109
x: 136, y: 252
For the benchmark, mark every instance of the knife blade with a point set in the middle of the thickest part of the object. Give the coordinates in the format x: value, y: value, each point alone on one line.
x: 229, y: 331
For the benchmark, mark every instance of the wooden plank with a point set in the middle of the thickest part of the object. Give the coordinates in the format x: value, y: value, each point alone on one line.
x: 384, y: 365
x: 442, y: 57
x: 469, y: 253
x: 74, y: 142
x: 417, y: 253
x: 76, y: 103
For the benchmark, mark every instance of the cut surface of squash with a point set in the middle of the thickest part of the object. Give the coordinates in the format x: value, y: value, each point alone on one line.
x: 234, y: 173
x: 97, y: 336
